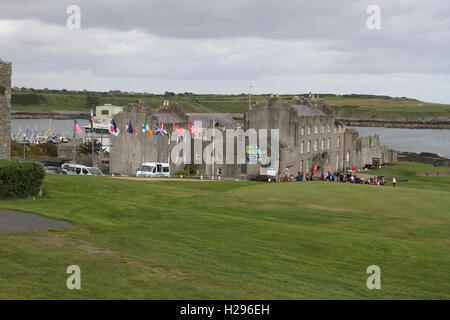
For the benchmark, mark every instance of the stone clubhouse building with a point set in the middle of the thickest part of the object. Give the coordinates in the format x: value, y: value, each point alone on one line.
x: 309, y: 137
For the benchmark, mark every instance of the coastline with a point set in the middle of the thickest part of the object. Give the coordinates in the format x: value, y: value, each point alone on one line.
x: 54, y: 115
x: 437, y: 124
x: 414, y: 124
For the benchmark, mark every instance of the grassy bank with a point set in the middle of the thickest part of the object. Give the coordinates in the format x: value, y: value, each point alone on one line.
x: 233, y: 240
x: 350, y: 106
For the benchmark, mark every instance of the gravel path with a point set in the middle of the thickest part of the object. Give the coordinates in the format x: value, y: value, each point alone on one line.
x: 12, y: 221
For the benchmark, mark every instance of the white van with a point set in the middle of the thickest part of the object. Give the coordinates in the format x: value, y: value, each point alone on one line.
x: 81, y: 170
x: 153, y: 169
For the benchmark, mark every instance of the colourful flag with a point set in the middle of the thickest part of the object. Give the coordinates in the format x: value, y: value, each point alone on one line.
x: 315, y: 169
x: 193, y: 129
x: 76, y: 128
x: 160, y: 130
x: 113, y: 128
x: 130, y: 128
x: 92, y: 121
x: 178, y: 131
x: 146, y: 129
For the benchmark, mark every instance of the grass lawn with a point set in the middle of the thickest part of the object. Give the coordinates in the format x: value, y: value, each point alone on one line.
x: 233, y: 240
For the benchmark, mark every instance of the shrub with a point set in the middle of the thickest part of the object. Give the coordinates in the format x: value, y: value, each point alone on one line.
x: 183, y: 173
x: 260, y: 178
x: 20, y: 179
x: 28, y: 99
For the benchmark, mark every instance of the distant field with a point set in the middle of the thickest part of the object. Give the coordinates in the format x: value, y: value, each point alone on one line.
x: 233, y: 240
x: 351, y: 107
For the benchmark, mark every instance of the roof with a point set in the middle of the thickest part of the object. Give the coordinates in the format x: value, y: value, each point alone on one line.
x: 224, y: 119
x: 167, y: 117
x: 306, y: 111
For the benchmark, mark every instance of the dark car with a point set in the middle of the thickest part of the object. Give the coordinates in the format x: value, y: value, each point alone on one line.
x: 55, y: 170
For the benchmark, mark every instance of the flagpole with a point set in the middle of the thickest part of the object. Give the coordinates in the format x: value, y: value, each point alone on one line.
x: 214, y: 151
x: 74, y: 147
x: 92, y: 145
x: 128, y: 151
x: 145, y: 133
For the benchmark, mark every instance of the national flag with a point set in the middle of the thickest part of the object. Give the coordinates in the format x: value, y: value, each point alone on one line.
x: 92, y: 121
x: 146, y: 129
x: 130, y: 128
x: 193, y: 129
x: 113, y: 128
x: 315, y: 169
x: 160, y: 130
x: 76, y: 128
x: 178, y: 131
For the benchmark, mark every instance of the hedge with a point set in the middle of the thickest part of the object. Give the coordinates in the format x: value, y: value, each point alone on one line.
x: 20, y: 179
x: 28, y: 99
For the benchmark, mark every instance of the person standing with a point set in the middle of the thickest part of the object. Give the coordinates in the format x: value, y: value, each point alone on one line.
x: 394, y: 181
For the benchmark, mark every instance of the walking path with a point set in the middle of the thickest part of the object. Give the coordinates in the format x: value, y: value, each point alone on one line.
x: 12, y: 221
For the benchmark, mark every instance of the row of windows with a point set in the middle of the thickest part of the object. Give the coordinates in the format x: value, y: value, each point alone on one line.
x: 316, y: 145
x: 316, y: 130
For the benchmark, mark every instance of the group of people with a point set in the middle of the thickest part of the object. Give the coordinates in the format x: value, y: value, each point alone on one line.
x: 340, y: 177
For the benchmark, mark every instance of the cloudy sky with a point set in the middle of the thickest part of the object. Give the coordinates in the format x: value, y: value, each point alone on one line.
x: 210, y: 46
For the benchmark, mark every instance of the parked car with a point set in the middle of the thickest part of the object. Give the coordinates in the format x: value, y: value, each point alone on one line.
x: 81, y: 170
x: 154, y: 169
x: 55, y: 170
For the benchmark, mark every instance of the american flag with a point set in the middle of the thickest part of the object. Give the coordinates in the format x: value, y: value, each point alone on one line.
x: 76, y: 128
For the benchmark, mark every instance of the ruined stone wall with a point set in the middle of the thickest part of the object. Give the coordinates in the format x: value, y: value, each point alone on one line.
x: 5, y: 109
x: 371, y: 148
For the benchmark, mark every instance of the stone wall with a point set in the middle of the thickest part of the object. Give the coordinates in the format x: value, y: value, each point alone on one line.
x: 129, y: 151
x: 5, y: 109
x: 436, y: 173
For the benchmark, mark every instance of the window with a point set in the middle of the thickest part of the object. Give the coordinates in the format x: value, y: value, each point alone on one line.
x: 337, y: 161
x: 307, y: 165
x: 296, y: 135
x: 303, y: 132
x: 105, y: 112
x: 308, y: 146
x: 165, y: 169
x: 301, y: 166
x: 315, y: 145
x: 302, y: 147
x: 219, y: 171
x: 316, y: 129
x: 322, y: 129
x: 347, y: 156
x: 329, y: 129
x: 338, y: 142
x: 328, y: 143
x: 322, y: 145
x: 309, y: 130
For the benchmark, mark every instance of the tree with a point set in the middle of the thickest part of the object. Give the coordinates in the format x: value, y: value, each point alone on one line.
x: 86, y: 148
x: 92, y: 101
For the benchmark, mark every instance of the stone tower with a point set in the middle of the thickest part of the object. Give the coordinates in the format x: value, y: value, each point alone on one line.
x: 5, y: 109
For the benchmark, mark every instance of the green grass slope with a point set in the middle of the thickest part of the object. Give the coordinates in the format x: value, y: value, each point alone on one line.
x: 346, y: 106
x: 231, y: 240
